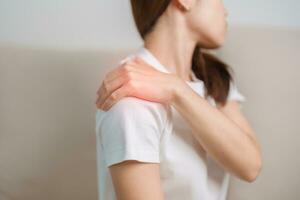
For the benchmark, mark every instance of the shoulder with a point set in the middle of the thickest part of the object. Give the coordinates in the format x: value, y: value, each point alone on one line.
x: 130, y: 56
x: 131, y: 130
x: 132, y: 106
x: 132, y: 110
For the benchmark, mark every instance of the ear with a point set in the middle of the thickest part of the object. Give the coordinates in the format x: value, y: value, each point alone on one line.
x: 184, y: 5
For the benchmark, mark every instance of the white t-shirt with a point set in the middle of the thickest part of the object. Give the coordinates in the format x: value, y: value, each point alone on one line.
x: 136, y: 129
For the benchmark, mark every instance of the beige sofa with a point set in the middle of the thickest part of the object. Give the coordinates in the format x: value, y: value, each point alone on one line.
x: 47, y: 143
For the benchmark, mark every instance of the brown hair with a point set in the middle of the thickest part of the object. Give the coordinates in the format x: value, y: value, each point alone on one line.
x: 215, y: 74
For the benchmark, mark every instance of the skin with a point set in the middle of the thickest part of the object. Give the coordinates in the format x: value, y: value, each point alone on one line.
x: 223, y: 132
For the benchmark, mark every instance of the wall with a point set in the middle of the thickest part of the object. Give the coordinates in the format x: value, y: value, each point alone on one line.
x: 73, y: 24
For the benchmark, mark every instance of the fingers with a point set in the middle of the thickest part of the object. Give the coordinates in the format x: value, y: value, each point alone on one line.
x: 130, y: 65
x: 135, y: 64
x: 116, y: 73
x: 119, y: 93
x: 125, y: 68
x: 107, y: 88
x: 133, y: 69
x: 113, y: 74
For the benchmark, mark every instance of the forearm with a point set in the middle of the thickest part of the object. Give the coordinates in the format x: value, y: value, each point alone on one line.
x: 224, y: 140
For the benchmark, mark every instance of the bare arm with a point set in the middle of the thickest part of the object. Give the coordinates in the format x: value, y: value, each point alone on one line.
x: 134, y: 180
x: 130, y: 134
x: 224, y: 133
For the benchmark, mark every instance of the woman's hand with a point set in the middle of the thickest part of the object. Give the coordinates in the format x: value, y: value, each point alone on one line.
x: 138, y: 79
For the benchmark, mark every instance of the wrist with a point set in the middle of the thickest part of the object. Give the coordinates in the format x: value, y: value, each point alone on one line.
x: 179, y: 91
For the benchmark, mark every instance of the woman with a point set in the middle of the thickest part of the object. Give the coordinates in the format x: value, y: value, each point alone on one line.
x: 169, y: 123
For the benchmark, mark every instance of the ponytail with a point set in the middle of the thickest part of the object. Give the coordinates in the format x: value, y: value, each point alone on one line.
x: 215, y: 74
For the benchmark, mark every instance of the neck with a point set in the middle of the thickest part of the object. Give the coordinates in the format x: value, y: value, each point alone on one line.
x: 173, y: 47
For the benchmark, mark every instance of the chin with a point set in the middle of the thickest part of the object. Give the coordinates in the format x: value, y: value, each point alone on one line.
x: 213, y: 41
x: 214, y: 44
x: 218, y: 41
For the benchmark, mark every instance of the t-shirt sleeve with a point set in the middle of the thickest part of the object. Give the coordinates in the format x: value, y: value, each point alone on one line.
x: 234, y: 93
x: 131, y: 130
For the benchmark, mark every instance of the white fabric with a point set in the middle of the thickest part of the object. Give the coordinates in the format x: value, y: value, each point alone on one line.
x: 152, y: 132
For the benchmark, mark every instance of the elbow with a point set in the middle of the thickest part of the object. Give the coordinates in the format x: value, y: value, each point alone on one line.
x: 253, y: 171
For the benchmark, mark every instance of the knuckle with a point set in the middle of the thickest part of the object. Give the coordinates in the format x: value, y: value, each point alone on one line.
x: 130, y: 88
x: 114, y: 96
x: 130, y: 75
x: 131, y: 84
x: 127, y: 67
x: 105, y: 85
